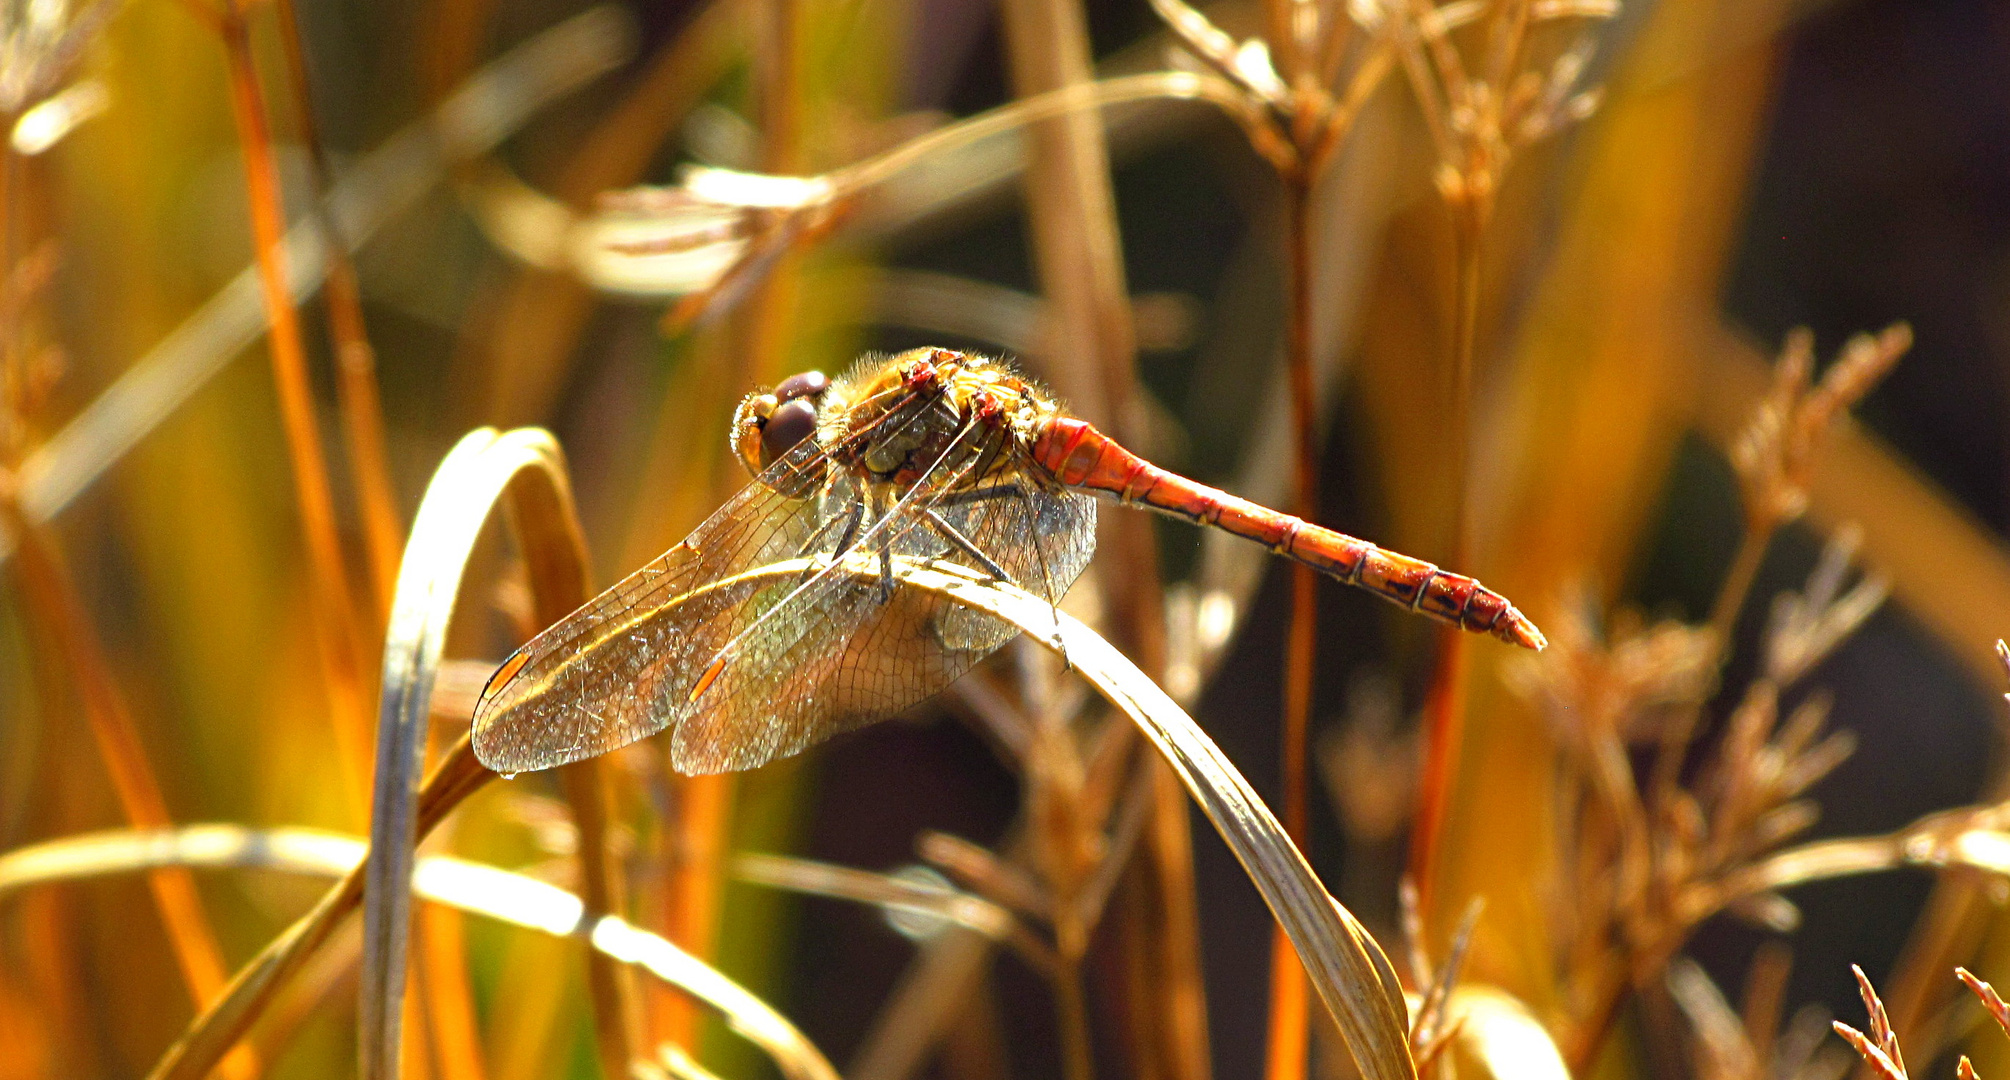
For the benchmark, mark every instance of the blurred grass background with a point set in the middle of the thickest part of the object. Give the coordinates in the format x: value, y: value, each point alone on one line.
x: 1755, y: 166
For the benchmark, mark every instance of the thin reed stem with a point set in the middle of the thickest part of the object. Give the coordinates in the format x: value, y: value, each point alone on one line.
x: 1445, y: 700
x: 335, y: 626
x: 355, y: 360
x: 615, y: 1016
x: 1072, y: 1008
x: 1285, y: 1057
x: 1737, y: 584
x: 1731, y: 596
x: 57, y: 612
x: 1091, y: 344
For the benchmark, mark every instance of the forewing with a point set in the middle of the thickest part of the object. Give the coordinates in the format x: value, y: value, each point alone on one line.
x: 842, y: 653
x: 600, y: 677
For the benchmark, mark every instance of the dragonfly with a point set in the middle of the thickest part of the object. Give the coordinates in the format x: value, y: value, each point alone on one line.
x: 931, y: 454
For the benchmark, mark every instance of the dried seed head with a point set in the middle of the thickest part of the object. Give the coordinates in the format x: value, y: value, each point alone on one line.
x: 1776, y: 454
x: 1587, y: 684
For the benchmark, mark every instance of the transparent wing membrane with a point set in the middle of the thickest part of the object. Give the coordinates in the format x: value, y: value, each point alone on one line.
x: 746, y: 666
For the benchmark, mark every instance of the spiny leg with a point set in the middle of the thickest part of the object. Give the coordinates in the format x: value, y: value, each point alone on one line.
x: 967, y: 546
x: 966, y: 498
x: 851, y: 518
x: 1047, y: 589
x: 884, y: 544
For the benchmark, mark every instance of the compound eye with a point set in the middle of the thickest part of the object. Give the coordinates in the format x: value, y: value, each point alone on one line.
x: 805, y: 385
x: 790, y: 423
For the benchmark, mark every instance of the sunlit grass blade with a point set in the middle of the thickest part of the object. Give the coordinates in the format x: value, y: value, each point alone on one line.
x: 467, y: 886
x: 214, y: 1031
x: 390, y: 180
x: 527, y: 465
x: 1346, y: 965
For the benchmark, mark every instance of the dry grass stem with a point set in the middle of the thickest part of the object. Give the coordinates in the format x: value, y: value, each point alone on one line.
x: 463, y: 885
x: 388, y: 181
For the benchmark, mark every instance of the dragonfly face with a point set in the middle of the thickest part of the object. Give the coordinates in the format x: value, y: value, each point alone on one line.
x: 768, y: 425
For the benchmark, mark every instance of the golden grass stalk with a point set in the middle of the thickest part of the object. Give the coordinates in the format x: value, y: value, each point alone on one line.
x: 493, y: 103
x: 466, y: 886
x: 337, y: 630
x: 65, y: 629
x: 617, y: 1011
x: 524, y: 466
x: 355, y: 361
x: 1477, y: 114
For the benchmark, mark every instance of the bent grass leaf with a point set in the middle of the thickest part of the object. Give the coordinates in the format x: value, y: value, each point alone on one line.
x: 1345, y: 964
x: 524, y: 465
x: 481, y: 470
x: 467, y: 886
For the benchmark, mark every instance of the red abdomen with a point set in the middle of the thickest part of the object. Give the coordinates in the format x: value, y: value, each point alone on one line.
x: 1078, y: 455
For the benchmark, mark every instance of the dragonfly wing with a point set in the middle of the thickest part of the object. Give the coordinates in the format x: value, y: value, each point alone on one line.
x: 600, y: 677
x: 838, y: 657
x: 842, y: 653
x: 1042, y: 537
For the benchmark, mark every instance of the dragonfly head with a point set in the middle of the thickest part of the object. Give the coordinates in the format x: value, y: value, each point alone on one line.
x: 769, y: 424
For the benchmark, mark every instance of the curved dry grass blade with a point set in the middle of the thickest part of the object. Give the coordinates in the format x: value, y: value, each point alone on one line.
x: 1345, y: 964
x: 476, y: 475
x: 526, y: 466
x: 212, y: 1033
x: 471, y: 887
x: 489, y: 106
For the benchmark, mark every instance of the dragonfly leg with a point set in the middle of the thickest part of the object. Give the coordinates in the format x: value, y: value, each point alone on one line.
x: 1047, y: 581
x: 964, y: 544
x: 966, y: 498
x: 885, y: 572
x: 852, y: 518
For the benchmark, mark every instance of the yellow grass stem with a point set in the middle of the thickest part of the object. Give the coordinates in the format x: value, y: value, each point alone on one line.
x: 64, y: 627
x: 616, y: 1008
x: 1090, y: 351
x: 466, y: 886
x: 355, y: 359
x: 335, y: 625
x: 1445, y: 701
x: 1287, y: 1041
